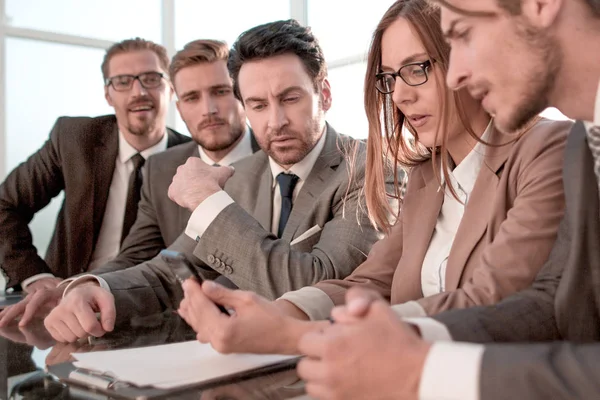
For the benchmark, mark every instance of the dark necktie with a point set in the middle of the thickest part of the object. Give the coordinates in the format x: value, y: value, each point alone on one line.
x: 133, y: 194
x: 287, y: 183
x: 593, y: 136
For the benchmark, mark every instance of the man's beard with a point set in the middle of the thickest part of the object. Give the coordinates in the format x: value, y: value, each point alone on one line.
x: 235, y: 132
x: 542, y: 78
x: 142, y: 128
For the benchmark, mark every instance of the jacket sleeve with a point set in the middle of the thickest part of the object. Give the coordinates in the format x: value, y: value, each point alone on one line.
x: 26, y: 190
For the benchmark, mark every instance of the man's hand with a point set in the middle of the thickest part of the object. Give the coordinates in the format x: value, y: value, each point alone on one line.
x: 376, y: 357
x: 75, y: 316
x: 195, y: 181
x: 256, y: 326
x: 44, y: 283
x: 36, y: 304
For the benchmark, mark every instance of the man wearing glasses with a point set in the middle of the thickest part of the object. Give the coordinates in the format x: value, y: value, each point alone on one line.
x: 97, y: 162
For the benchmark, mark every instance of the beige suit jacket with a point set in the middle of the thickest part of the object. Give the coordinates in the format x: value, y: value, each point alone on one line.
x: 505, y: 236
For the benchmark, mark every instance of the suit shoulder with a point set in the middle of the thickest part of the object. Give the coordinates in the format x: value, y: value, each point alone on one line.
x: 84, y: 128
x: 176, y: 154
x: 544, y: 134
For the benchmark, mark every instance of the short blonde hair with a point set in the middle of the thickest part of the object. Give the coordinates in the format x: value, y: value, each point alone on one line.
x: 131, y: 45
x: 198, y: 52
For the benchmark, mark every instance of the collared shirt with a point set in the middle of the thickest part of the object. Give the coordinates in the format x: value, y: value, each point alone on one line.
x: 440, y: 378
x: 109, y: 238
x: 209, y: 209
x: 317, y: 305
x: 462, y: 179
x: 241, y: 150
x: 109, y: 242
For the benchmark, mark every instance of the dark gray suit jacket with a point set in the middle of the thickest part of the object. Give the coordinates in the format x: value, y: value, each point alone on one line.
x: 159, y: 220
x: 239, y: 243
x: 79, y: 158
x: 562, y: 304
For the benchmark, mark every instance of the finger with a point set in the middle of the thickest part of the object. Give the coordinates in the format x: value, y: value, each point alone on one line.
x: 64, y: 331
x: 311, y: 370
x: 223, y: 174
x: 38, y: 301
x: 359, y: 300
x: 55, y: 334
x: 72, y: 322
x: 89, y: 323
x: 12, y: 312
x: 341, y: 315
x: 318, y: 391
x: 108, y: 314
x: 221, y: 295
x: 312, y: 344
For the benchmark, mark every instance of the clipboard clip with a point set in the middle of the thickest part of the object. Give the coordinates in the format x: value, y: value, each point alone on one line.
x: 96, y: 379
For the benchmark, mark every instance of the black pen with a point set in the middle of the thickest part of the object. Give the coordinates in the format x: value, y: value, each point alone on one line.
x: 176, y: 259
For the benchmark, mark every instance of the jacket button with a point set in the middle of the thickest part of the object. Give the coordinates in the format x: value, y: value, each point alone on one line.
x: 211, y: 259
x: 227, y: 269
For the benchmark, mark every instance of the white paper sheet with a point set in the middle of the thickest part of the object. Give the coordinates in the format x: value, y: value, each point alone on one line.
x: 171, y: 365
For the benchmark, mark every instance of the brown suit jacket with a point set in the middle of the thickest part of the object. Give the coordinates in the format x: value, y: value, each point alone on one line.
x: 505, y: 235
x: 79, y: 158
x: 562, y: 304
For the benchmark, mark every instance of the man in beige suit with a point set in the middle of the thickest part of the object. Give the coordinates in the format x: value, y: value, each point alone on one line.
x: 262, y: 232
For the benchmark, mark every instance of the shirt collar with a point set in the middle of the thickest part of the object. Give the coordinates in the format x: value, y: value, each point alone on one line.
x: 242, y: 149
x: 126, y: 151
x: 465, y: 174
x: 301, y: 169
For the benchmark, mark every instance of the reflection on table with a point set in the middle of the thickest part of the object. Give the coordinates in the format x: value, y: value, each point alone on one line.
x: 23, y: 379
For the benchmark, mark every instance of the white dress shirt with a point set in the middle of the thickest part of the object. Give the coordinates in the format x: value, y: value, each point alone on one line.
x: 241, y: 150
x: 209, y: 209
x: 441, y: 379
x: 109, y: 238
x: 317, y: 305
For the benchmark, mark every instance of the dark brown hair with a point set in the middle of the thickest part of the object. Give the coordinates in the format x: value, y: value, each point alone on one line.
x: 273, y: 39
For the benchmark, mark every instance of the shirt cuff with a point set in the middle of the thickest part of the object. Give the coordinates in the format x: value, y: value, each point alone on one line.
x: 409, y: 309
x: 34, y: 278
x: 74, y: 282
x: 312, y: 301
x: 441, y: 380
x: 431, y: 330
x: 206, y: 213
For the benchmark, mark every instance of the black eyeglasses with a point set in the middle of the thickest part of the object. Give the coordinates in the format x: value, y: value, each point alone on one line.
x: 149, y: 80
x: 413, y: 74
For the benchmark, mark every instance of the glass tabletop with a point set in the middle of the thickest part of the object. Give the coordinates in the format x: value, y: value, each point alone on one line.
x: 26, y: 352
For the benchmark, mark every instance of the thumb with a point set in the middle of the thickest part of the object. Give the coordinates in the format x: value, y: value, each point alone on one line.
x: 106, y: 306
x: 223, y: 174
x: 219, y: 294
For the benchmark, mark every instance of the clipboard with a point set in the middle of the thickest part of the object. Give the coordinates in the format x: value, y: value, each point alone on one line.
x: 99, y: 383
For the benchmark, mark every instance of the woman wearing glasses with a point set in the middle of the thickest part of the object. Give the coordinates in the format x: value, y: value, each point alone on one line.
x: 478, y: 219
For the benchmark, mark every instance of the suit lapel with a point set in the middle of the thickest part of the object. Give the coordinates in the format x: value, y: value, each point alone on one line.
x: 264, y: 197
x: 318, y: 179
x: 476, y: 216
x: 105, y: 155
x: 425, y: 203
